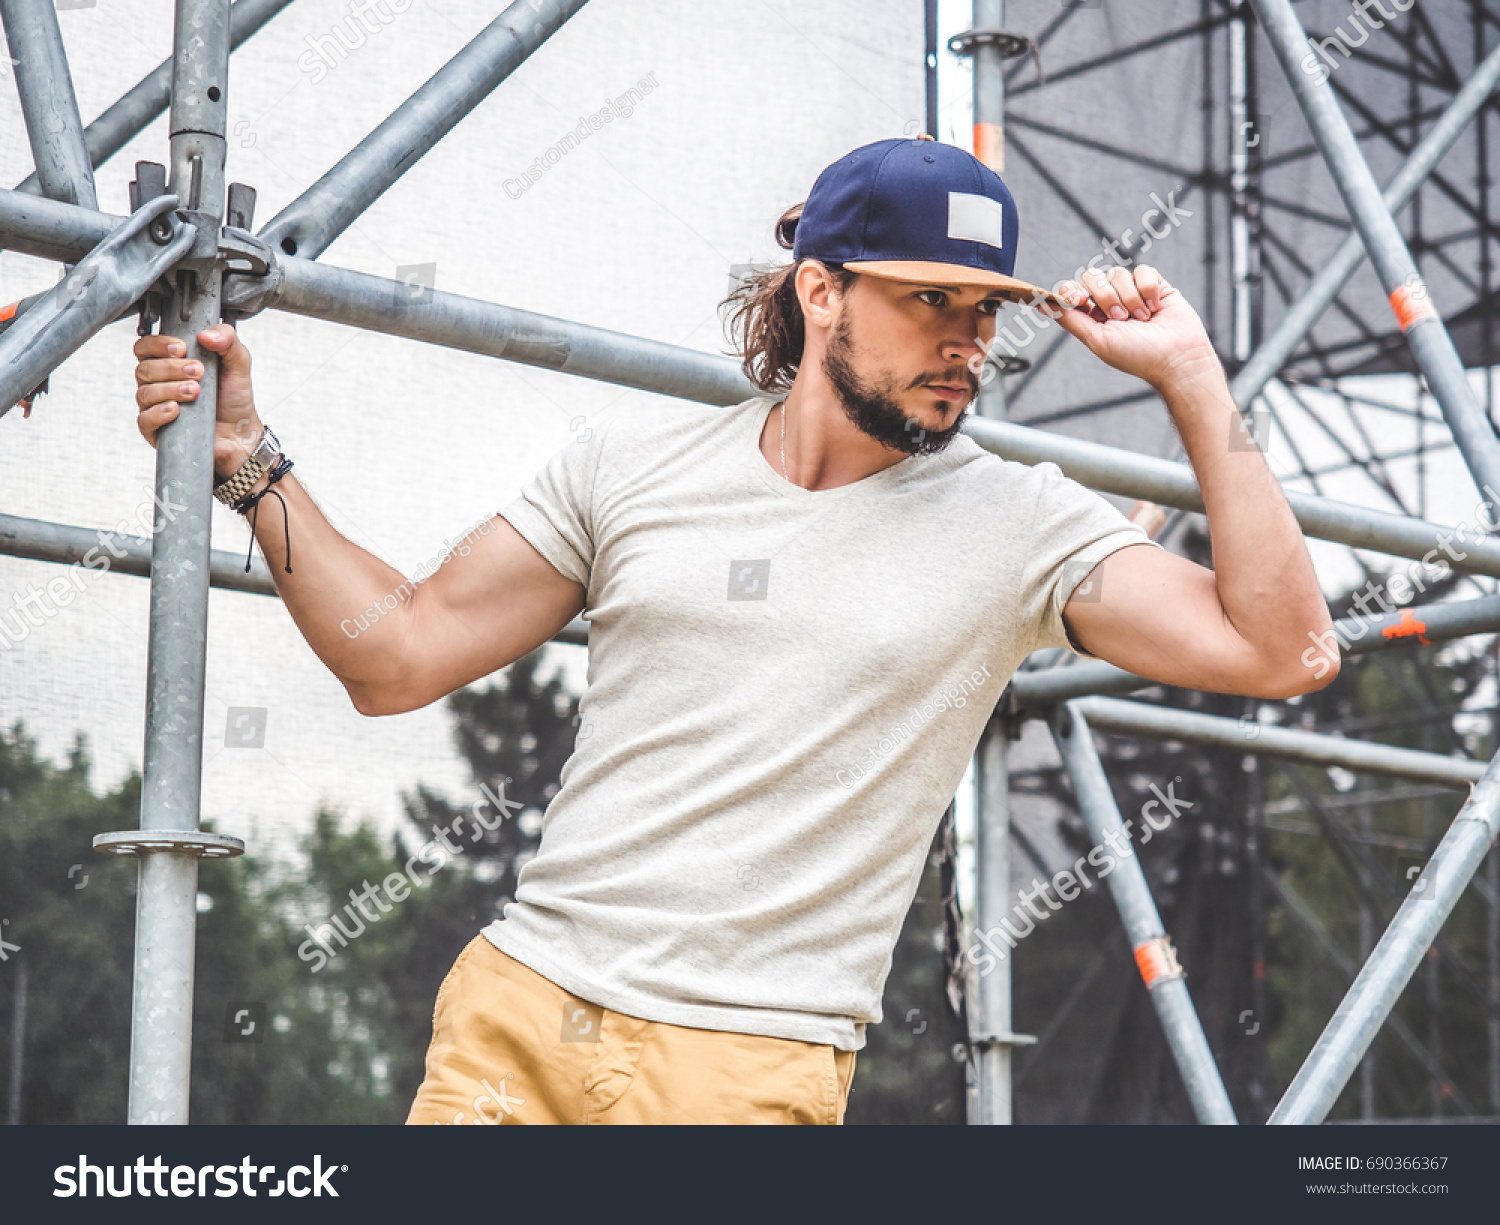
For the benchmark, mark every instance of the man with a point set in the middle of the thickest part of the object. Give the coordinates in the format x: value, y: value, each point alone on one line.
x: 802, y: 610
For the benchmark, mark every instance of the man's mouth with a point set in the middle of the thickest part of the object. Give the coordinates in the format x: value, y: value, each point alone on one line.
x: 950, y: 391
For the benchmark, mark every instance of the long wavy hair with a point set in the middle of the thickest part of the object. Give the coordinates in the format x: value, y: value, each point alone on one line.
x: 765, y: 321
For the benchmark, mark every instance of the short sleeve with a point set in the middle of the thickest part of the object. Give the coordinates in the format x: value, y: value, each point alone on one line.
x: 555, y: 511
x: 1073, y: 531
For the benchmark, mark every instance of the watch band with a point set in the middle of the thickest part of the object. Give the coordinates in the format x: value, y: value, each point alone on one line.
x: 233, y: 488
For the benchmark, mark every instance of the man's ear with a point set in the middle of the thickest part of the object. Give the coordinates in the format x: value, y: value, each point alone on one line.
x: 816, y: 292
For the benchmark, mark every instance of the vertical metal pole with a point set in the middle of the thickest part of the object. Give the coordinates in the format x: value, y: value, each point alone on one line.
x: 17, y: 1041
x: 1256, y: 852
x: 48, y: 104
x: 1132, y: 896
x: 990, y: 1018
x: 161, y: 1032
x: 1242, y: 340
x: 1366, y: 944
x: 1493, y: 948
x: 989, y: 147
x: 1425, y: 333
x: 930, y: 64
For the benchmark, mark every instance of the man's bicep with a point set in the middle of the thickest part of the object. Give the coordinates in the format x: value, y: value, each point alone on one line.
x: 1158, y: 615
x: 492, y: 601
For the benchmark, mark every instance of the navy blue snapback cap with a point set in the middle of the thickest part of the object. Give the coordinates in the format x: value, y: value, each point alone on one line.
x: 916, y: 210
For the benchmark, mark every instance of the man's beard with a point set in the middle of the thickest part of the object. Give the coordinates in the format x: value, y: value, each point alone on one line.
x: 872, y: 410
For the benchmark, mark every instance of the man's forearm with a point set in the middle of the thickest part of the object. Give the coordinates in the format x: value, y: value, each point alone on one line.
x: 332, y: 587
x: 1265, y: 577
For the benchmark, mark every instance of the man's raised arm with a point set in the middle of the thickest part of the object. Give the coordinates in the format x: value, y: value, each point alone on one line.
x: 1243, y: 626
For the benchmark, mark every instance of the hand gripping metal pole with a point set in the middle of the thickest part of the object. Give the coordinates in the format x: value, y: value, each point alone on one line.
x: 98, y: 289
x: 169, y: 842
x: 47, y: 101
x: 1394, y: 960
x: 1277, y: 348
x: 1132, y: 895
x: 325, y: 210
x: 1418, y: 318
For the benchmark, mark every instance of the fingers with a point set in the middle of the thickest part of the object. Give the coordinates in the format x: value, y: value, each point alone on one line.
x: 149, y: 394
x: 152, y: 419
x: 159, y: 346
x: 165, y: 369
x: 1120, y: 293
x: 223, y: 339
x: 1149, y: 284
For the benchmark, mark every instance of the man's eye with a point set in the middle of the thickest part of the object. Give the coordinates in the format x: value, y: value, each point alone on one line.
x: 933, y: 293
x: 990, y: 306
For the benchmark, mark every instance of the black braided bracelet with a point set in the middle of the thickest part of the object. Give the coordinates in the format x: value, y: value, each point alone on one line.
x: 250, y: 505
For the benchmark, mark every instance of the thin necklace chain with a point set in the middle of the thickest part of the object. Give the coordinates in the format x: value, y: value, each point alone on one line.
x: 783, y: 442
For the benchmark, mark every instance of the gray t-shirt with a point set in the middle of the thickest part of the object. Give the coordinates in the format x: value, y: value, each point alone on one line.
x: 784, y: 689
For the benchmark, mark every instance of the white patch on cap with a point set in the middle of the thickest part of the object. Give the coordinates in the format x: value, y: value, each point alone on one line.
x: 977, y: 218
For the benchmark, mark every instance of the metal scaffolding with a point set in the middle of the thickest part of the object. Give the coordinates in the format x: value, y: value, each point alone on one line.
x: 186, y: 256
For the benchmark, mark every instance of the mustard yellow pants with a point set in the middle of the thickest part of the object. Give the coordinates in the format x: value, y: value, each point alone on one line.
x: 510, y: 1046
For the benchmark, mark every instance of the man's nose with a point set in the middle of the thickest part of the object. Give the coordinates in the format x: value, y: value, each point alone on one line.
x: 964, y: 349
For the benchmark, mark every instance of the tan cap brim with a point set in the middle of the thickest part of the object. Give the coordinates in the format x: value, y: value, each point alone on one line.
x: 934, y: 273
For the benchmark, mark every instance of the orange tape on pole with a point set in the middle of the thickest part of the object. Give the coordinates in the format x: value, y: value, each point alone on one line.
x: 1412, y: 305
x: 989, y: 145
x: 1157, y: 961
x: 8, y: 312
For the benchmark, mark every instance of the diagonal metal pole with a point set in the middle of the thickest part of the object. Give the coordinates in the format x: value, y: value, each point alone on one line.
x: 1217, y: 731
x: 169, y: 842
x: 1132, y: 896
x: 326, y: 209
x: 128, y: 117
x: 1384, y: 976
x: 1309, y: 921
x: 1425, y: 333
x: 1277, y: 348
x: 48, y: 104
